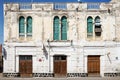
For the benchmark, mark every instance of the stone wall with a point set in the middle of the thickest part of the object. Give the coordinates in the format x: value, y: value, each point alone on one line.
x: 77, y: 24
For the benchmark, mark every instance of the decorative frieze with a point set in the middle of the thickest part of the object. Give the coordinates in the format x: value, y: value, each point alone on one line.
x: 77, y: 75
x: 43, y: 75
x: 11, y: 74
x: 112, y: 74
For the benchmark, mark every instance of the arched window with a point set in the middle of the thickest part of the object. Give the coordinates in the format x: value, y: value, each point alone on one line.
x: 56, y: 30
x: 21, y: 26
x: 98, y: 28
x: 97, y: 20
x: 63, y: 28
x: 29, y: 26
x: 89, y: 26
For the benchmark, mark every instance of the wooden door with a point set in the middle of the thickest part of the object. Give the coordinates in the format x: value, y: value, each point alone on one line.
x: 60, y: 66
x: 25, y: 66
x: 93, y: 65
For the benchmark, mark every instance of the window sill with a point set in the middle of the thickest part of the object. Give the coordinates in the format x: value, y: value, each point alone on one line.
x: 58, y: 43
x: 59, y: 40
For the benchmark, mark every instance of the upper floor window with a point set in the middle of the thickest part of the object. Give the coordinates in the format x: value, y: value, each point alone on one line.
x: 56, y: 30
x: 98, y: 28
x: 60, y: 6
x: 60, y: 28
x: 64, y: 28
x: 29, y: 26
x: 25, y: 26
x: 93, y: 5
x: 21, y: 26
x: 97, y: 20
x: 89, y: 26
x: 94, y: 29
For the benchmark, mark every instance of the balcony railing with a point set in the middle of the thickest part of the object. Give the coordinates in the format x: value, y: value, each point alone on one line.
x: 60, y: 6
x: 93, y: 5
x: 25, y: 6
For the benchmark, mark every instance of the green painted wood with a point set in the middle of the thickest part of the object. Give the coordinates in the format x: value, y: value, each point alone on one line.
x: 56, y: 30
x: 89, y: 26
x: 21, y: 26
x: 29, y: 26
x: 64, y: 28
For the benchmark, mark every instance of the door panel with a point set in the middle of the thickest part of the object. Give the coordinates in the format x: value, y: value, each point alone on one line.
x: 93, y: 65
x: 63, y: 68
x: 28, y: 66
x: 25, y: 66
x: 57, y: 67
x: 60, y: 66
x: 22, y: 69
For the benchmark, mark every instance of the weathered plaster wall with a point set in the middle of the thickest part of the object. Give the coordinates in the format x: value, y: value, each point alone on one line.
x: 78, y: 46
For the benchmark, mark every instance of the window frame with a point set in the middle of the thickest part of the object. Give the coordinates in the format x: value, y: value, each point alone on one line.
x: 21, y: 34
x: 25, y: 34
x: 97, y: 29
x: 60, y: 27
x: 89, y: 33
x: 29, y: 34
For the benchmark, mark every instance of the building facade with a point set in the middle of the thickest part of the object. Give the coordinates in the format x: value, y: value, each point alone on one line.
x: 62, y: 39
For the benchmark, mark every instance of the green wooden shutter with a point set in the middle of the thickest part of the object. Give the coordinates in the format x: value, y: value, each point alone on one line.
x: 56, y: 29
x: 21, y: 26
x: 89, y: 26
x: 29, y: 26
x: 64, y: 28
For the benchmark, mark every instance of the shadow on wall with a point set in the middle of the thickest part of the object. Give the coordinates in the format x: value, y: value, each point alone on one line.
x: 45, y: 52
x: 1, y: 65
x: 4, y: 53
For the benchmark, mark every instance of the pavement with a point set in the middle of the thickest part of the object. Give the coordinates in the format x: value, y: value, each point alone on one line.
x: 1, y: 75
x: 70, y: 78
x: 53, y: 78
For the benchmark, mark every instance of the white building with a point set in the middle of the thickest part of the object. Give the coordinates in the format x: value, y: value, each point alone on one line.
x: 62, y: 39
